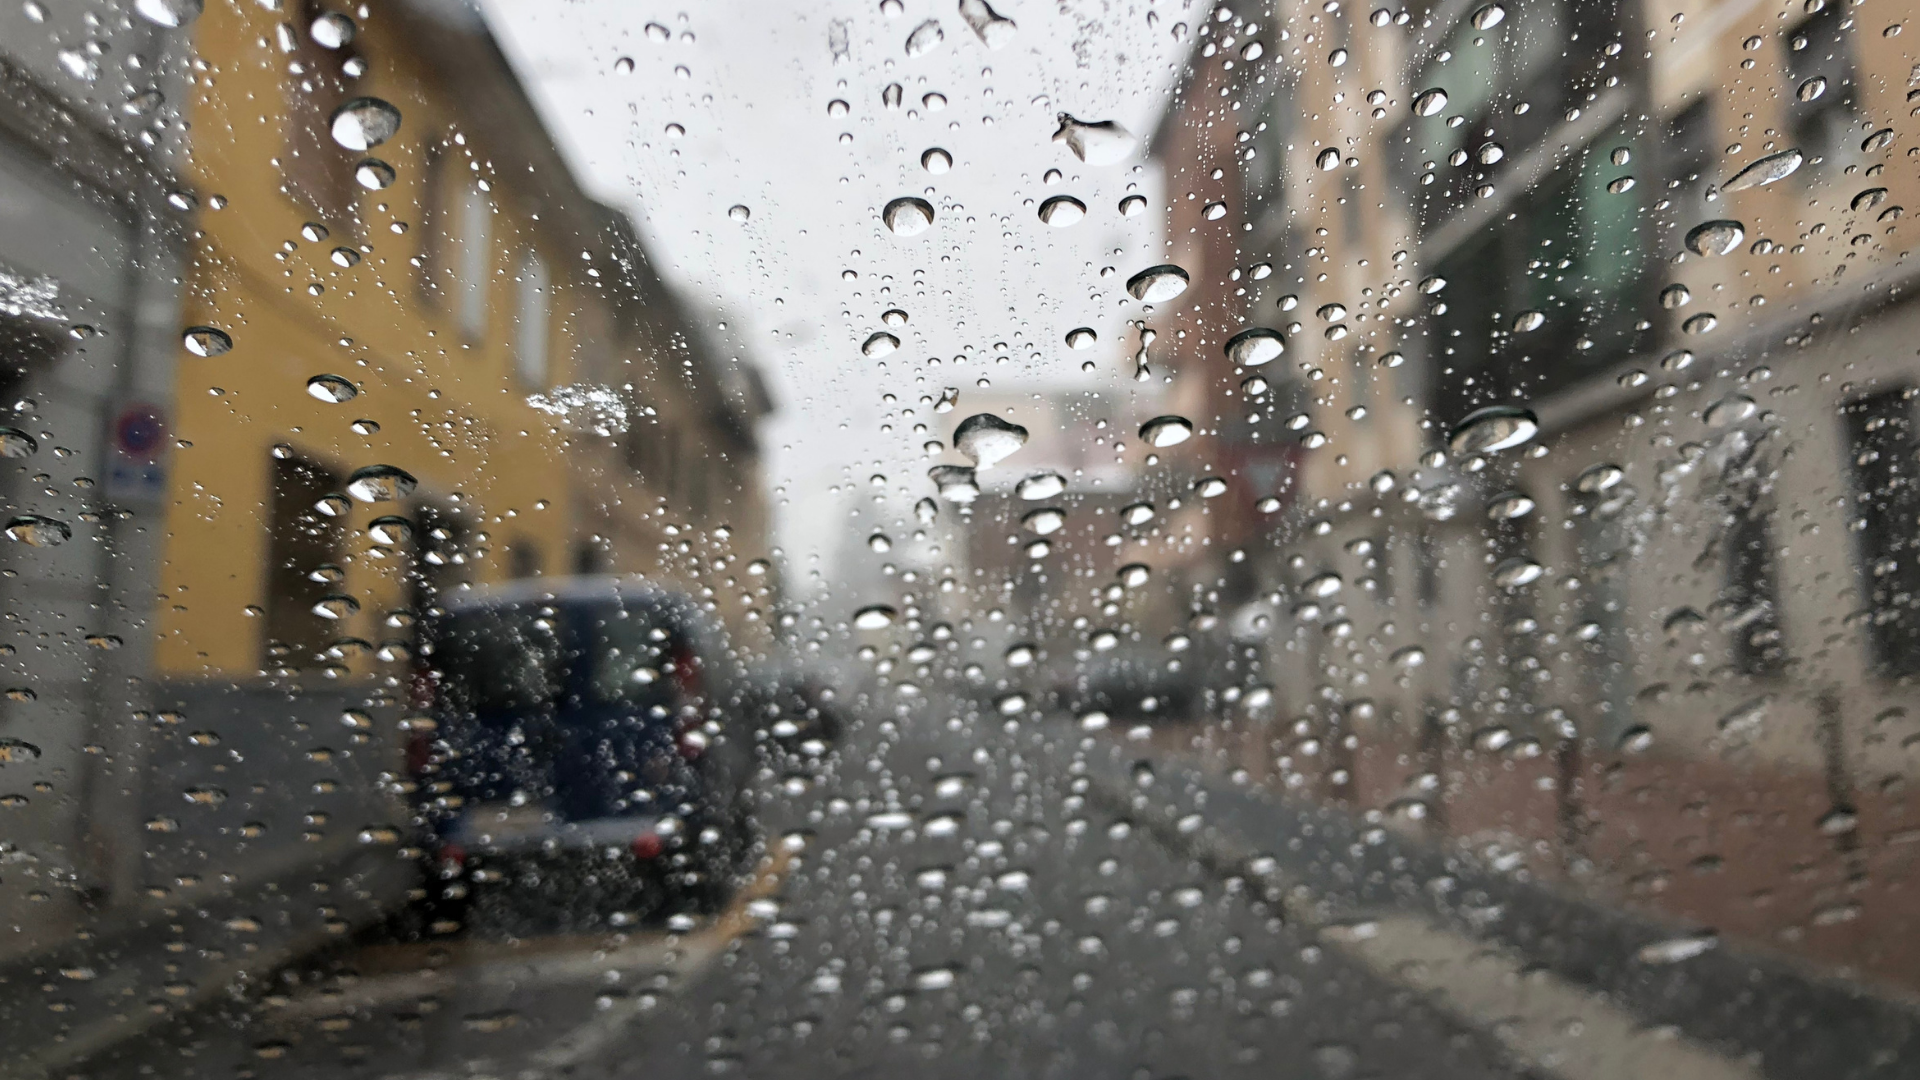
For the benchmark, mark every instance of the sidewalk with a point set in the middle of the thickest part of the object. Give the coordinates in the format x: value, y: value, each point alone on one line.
x: 1579, y: 989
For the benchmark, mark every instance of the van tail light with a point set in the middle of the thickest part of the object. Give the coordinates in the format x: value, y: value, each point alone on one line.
x: 648, y: 845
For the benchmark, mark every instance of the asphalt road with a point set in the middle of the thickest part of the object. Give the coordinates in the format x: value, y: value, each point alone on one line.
x: 991, y: 899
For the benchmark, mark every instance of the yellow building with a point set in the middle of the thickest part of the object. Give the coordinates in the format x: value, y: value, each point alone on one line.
x: 412, y: 302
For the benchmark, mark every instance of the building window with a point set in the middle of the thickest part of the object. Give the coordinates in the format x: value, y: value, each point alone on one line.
x: 476, y: 261
x: 1821, y: 48
x: 530, y: 345
x: 316, y: 173
x: 1750, y: 605
x: 1886, y: 519
x: 303, y: 563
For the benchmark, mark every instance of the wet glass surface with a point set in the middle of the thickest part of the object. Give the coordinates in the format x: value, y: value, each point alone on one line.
x: 1046, y: 538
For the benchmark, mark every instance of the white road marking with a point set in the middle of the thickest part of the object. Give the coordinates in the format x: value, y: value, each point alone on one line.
x: 1553, y: 1024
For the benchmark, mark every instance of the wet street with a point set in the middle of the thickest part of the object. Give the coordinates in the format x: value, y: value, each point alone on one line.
x: 1030, y: 900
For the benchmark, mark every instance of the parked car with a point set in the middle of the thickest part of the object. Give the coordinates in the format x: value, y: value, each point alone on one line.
x: 586, y: 766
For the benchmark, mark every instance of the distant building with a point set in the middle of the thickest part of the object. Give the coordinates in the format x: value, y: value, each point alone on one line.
x: 1689, y: 596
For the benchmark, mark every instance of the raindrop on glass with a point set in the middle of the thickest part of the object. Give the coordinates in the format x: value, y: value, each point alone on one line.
x: 1715, y: 237
x: 364, y: 123
x: 331, y: 30
x: 1255, y: 346
x: 1101, y: 143
x: 1429, y: 102
x: 936, y: 161
x: 1041, y: 485
x: 908, y: 216
x: 390, y: 530
x: 740, y: 213
x: 1812, y: 88
x: 1044, y: 522
x: 1133, y: 206
x: 955, y: 483
x: 1488, y: 17
x: 1157, y: 283
x: 1062, y: 210
x: 374, y: 174
x: 1494, y: 428
x: 873, y: 617
x: 207, y: 341
x: 992, y: 28
x: 1730, y: 410
x: 986, y: 439
x: 1767, y: 170
x: 1517, y: 571
x: 925, y: 38
x: 332, y: 389
x: 1509, y: 506
x: 1598, y: 478
x: 380, y: 483
x: 34, y: 530
x: 171, y: 14
x: 878, y: 345
x: 1081, y: 337
x: 1164, y: 431
x: 15, y: 443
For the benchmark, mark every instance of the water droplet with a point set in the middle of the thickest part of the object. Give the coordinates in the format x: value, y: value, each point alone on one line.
x: 1879, y: 140
x: 1528, y: 321
x: 34, y: 530
x: 171, y: 14
x: 623, y: 66
x: 1675, y: 296
x: 1328, y: 160
x: 878, y: 345
x: 1490, y: 153
x: 1157, y: 283
x: 332, y: 389
x: 1869, y: 198
x: 1043, y: 522
x: 1812, y: 88
x: 934, y: 979
x: 1674, y: 950
x: 936, y: 161
x: 380, y: 483
x: 1765, y: 171
x: 1164, y: 431
x: 1620, y: 185
x: 1716, y: 237
x: 1597, y: 478
x: 15, y: 443
x: 1337, y: 58
x: 874, y: 617
x: 925, y: 38
x: 1509, y: 506
x: 949, y: 397
x: 1010, y: 704
x: 908, y: 216
x: 390, y: 530
x: 880, y: 542
x: 364, y: 123
x: 207, y: 341
x: 1488, y: 17
x: 1494, y: 428
x: 1730, y: 410
x: 1081, y: 337
x: 1429, y: 102
x: 926, y: 511
x: 1041, y: 485
x: 993, y: 29
x: 740, y: 213
x: 1133, y: 206
x: 1701, y: 323
x: 1210, y: 487
x: 331, y: 30
x: 1517, y: 571
x: 955, y: 483
x: 1253, y: 386
x: 1252, y: 50
x: 1322, y: 586
x: 332, y: 506
x: 1255, y: 346
x: 374, y: 174
x: 1062, y: 210
x: 986, y: 439
x: 344, y: 257
x: 1137, y: 513
x: 1409, y: 656
x: 1101, y: 143
x: 17, y: 751
x: 837, y: 108
x: 893, y: 95
x: 657, y: 33
x: 1214, y: 211
x: 336, y: 607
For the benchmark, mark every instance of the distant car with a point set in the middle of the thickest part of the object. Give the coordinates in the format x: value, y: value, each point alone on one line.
x: 1133, y: 682
x: 585, y: 764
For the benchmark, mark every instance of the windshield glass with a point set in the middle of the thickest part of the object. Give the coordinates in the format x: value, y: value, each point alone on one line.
x: 1033, y: 538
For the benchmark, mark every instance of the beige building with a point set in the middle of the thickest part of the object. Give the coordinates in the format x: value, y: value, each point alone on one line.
x: 1665, y: 645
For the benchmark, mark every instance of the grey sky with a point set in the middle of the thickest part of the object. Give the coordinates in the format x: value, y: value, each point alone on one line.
x: 750, y: 83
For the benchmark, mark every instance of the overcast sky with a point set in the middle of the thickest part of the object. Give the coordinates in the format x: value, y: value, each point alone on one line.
x: 750, y: 82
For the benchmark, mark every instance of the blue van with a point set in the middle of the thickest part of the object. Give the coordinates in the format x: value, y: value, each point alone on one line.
x: 588, y: 756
